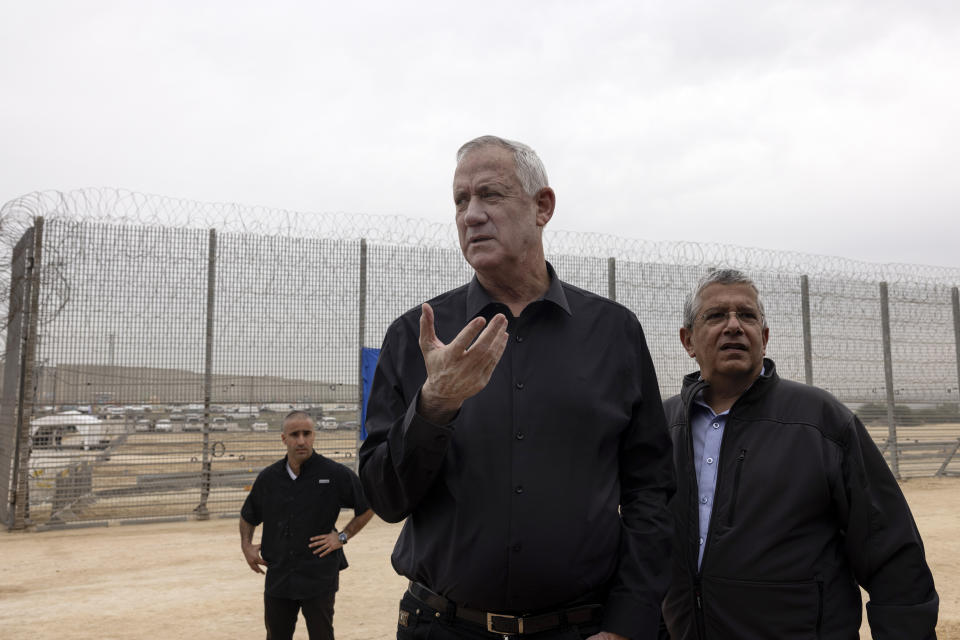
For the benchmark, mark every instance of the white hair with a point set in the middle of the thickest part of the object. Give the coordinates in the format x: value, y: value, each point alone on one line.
x: 530, y: 171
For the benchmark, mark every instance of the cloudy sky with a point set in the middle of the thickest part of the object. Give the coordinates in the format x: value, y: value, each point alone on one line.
x: 826, y: 127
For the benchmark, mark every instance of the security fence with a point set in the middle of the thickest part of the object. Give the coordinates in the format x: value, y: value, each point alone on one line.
x: 153, y: 346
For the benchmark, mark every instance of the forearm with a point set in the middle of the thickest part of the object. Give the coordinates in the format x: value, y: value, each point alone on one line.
x: 246, y: 533
x: 353, y: 527
x: 400, y: 462
x: 436, y: 409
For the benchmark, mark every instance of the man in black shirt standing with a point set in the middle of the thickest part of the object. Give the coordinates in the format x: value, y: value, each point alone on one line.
x: 295, y: 498
x: 516, y: 424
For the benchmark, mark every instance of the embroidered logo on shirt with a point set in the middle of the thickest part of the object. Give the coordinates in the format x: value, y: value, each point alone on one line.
x: 404, y: 620
x: 324, y: 480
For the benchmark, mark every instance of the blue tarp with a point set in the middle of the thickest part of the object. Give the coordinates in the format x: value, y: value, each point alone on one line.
x: 368, y: 364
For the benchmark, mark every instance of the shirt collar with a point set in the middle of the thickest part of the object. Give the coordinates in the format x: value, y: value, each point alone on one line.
x: 304, y: 465
x: 478, y: 298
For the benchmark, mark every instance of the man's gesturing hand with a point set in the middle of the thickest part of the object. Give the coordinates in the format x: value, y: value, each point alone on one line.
x: 458, y: 370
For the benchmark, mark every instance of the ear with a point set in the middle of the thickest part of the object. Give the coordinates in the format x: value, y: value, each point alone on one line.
x: 766, y: 336
x: 546, y: 201
x: 686, y: 339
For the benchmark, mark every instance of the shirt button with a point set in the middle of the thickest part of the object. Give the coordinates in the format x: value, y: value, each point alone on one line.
x: 517, y: 547
x: 709, y: 460
x: 519, y: 338
x: 519, y: 385
x: 520, y: 436
x: 518, y: 489
x: 716, y: 425
x: 700, y: 541
x: 703, y: 500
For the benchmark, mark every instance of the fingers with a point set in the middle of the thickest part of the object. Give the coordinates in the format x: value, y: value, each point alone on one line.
x: 494, y: 332
x: 466, y: 336
x: 328, y: 538
x: 428, y: 336
x: 254, y: 564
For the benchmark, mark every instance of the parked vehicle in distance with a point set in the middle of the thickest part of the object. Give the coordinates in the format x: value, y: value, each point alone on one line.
x: 143, y: 424
x: 163, y: 424
x: 328, y: 423
x: 259, y: 426
x: 218, y: 424
x: 350, y: 424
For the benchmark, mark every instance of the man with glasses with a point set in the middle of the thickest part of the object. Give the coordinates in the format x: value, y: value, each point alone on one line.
x: 784, y: 506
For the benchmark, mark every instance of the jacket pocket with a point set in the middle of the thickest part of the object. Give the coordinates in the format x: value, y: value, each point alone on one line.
x: 762, y: 609
x: 736, y: 487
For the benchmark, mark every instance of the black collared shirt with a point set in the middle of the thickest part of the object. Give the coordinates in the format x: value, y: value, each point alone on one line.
x: 294, y: 510
x: 516, y: 505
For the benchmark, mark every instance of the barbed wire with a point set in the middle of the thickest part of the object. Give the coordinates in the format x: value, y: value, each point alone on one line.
x: 129, y: 208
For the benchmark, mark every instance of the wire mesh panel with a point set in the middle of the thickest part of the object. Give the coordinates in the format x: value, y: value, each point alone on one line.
x: 655, y: 293
x: 847, y: 339
x: 285, y: 336
x: 401, y: 277
x: 121, y: 348
x: 586, y: 272
x: 926, y: 409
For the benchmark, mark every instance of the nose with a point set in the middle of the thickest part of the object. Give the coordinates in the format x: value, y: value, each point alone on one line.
x: 475, y: 213
x: 733, y: 323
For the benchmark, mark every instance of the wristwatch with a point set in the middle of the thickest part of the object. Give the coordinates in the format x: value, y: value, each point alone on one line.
x: 343, y: 537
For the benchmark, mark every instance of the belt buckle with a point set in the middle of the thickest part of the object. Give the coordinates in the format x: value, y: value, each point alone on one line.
x: 491, y: 616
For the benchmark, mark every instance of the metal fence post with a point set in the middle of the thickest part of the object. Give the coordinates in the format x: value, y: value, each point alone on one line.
x: 202, y: 511
x: 888, y: 375
x: 26, y: 392
x: 807, y: 337
x: 612, y: 278
x: 361, y: 339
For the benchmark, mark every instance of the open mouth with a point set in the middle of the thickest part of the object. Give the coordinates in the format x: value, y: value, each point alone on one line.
x: 733, y: 346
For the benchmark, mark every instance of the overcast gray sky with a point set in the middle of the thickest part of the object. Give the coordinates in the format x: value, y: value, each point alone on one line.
x: 826, y: 127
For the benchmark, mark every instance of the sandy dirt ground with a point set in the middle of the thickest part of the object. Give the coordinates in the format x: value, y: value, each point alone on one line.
x: 188, y: 580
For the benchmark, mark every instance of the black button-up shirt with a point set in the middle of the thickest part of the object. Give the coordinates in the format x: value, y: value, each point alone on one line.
x: 294, y: 510
x: 551, y: 483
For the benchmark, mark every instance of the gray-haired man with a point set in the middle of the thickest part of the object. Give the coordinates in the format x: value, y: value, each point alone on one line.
x: 784, y: 504
x: 516, y: 424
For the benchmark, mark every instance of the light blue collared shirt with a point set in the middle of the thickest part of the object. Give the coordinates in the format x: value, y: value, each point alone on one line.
x: 706, y: 428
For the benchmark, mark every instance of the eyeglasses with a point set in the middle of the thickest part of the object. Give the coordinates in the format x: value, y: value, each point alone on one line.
x: 715, y: 317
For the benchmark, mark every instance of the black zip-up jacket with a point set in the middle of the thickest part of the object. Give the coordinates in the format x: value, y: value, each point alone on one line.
x: 805, y: 509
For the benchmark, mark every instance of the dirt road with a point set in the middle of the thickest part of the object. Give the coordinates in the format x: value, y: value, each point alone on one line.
x: 188, y: 580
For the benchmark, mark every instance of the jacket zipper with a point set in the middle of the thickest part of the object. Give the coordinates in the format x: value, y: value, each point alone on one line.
x: 736, y: 487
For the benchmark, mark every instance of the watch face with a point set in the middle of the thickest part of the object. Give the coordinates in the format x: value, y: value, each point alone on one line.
x: 343, y: 538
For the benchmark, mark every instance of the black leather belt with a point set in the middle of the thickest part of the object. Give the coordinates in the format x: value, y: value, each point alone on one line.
x: 506, y: 624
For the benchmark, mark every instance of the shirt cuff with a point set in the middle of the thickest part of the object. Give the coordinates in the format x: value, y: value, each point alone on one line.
x: 421, y: 433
